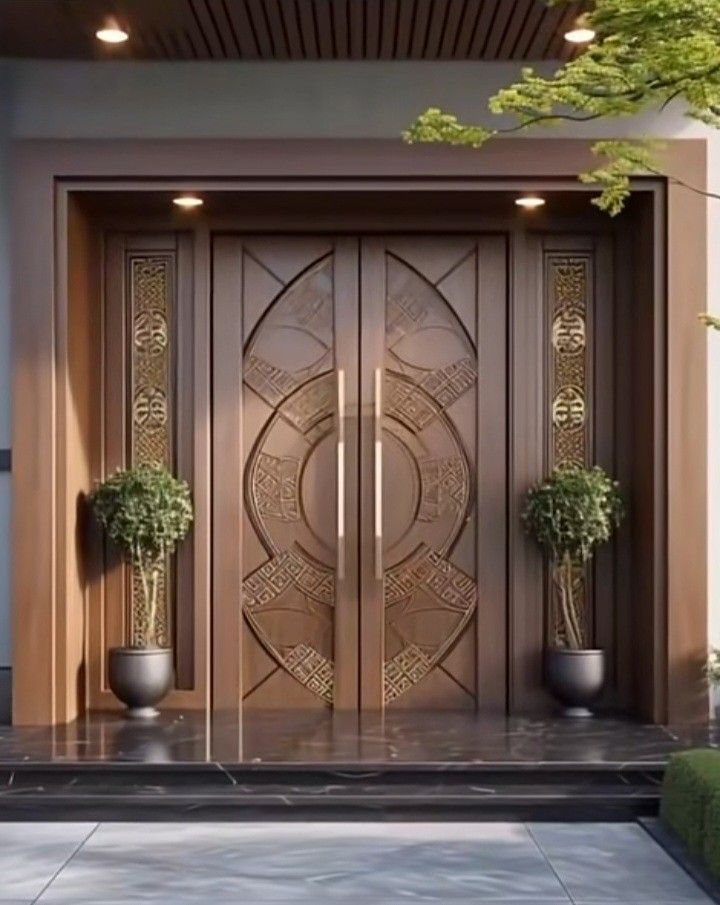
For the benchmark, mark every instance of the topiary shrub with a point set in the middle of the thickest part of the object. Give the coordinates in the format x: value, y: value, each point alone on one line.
x: 569, y: 514
x: 692, y: 780
x: 145, y: 512
x: 711, y: 848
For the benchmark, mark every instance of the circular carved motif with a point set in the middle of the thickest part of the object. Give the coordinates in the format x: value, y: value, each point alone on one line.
x: 568, y: 332
x: 568, y: 408
x: 151, y: 332
x: 150, y: 408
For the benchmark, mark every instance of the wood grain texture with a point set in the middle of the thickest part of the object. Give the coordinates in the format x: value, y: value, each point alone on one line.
x: 669, y: 562
x: 108, y: 620
x: 686, y: 380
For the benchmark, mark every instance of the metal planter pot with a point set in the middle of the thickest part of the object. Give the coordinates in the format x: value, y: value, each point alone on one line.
x: 140, y: 678
x: 576, y: 678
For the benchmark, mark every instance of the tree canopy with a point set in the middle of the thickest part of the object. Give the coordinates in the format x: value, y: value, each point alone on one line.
x: 646, y: 54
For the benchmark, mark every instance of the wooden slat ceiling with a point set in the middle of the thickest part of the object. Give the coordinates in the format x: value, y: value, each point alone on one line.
x: 290, y: 29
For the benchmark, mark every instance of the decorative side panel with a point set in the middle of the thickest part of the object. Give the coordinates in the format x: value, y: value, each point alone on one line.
x: 568, y: 281
x: 569, y: 285
x: 151, y: 287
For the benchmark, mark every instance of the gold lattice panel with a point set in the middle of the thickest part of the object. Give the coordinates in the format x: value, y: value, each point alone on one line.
x: 569, y: 289
x: 151, y: 287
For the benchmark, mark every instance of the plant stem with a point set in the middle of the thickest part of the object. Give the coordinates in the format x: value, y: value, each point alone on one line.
x: 140, y: 566
x: 573, y: 634
x: 152, y: 608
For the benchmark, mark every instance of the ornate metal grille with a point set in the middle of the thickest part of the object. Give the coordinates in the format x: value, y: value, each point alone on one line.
x: 569, y: 290
x: 151, y: 289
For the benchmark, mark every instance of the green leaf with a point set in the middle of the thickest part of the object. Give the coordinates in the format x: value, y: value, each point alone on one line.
x: 145, y: 512
x: 569, y: 514
x: 647, y: 55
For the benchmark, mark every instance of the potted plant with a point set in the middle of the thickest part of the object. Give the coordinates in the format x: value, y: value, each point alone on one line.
x: 145, y: 512
x: 569, y: 514
x: 712, y: 674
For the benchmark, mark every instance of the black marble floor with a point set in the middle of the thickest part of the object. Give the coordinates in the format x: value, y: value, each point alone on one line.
x: 295, y: 766
x: 322, y: 738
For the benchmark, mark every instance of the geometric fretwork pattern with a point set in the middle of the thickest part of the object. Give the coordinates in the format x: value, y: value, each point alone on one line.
x: 425, y: 582
x: 404, y: 670
x: 275, y: 486
x: 569, y: 306
x: 270, y: 382
x: 289, y: 568
x: 410, y: 404
x: 430, y: 572
x: 288, y: 599
x: 430, y: 392
x: 151, y: 287
x: 444, y: 485
x: 312, y: 670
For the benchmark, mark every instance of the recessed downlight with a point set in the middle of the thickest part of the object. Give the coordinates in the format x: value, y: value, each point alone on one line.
x: 111, y: 33
x: 580, y: 33
x: 529, y: 202
x: 188, y: 202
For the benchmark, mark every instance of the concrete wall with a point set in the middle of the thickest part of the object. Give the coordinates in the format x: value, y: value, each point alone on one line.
x: 281, y: 100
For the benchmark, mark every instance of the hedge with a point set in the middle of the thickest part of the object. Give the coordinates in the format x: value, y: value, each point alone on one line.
x: 692, y: 781
x: 711, y: 851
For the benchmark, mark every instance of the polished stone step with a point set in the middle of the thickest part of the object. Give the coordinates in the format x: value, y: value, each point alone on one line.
x: 293, y: 792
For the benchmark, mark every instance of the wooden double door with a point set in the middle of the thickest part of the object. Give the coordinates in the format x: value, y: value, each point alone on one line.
x: 360, y: 412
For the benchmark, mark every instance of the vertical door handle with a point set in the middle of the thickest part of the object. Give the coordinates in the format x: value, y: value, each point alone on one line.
x: 378, y: 482
x: 340, y: 474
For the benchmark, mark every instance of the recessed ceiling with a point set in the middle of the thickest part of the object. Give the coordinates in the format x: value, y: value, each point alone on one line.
x: 290, y: 29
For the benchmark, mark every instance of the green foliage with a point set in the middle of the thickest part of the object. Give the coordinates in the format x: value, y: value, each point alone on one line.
x: 569, y: 514
x: 710, y: 321
x: 646, y: 55
x: 145, y: 512
x: 435, y: 126
x: 712, y: 667
x: 573, y: 511
x: 692, y: 780
x: 711, y: 841
x: 623, y: 160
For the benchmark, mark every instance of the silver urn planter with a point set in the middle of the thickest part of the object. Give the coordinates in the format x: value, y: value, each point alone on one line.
x: 576, y: 678
x: 140, y: 678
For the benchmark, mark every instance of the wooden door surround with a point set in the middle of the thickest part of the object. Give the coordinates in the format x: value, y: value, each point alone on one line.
x: 658, y: 621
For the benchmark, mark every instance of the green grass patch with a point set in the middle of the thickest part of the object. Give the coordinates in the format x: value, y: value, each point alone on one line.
x: 692, y: 780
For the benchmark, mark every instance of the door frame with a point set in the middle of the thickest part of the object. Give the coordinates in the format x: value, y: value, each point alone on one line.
x: 49, y: 584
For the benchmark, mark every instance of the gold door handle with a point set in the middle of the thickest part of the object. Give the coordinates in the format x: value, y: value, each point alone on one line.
x: 378, y: 476
x: 340, y: 474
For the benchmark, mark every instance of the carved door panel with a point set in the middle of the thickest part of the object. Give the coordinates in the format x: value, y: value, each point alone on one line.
x: 297, y: 302
x: 360, y: 388
x: 434, y: 604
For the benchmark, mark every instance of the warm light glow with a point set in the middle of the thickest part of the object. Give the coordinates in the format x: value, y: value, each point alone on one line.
x: 112, y: 34
x: 187, y: 202
x: 580, y: 35
x: 529, y: 202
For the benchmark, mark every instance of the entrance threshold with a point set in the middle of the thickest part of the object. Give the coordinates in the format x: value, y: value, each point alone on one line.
x: 289, y: 766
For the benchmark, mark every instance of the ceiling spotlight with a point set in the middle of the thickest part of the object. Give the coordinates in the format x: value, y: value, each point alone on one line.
x: 580, y: 33
x: 111, y: 33
x: 529, y: 202
x: 188, y: 202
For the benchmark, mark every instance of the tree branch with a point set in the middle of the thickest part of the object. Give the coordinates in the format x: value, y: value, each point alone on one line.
x: 547, y: 117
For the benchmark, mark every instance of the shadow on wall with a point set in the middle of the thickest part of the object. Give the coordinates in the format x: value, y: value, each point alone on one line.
x: 5, y: 695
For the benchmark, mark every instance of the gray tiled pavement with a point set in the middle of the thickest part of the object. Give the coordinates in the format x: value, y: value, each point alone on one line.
x: 378, y: 863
